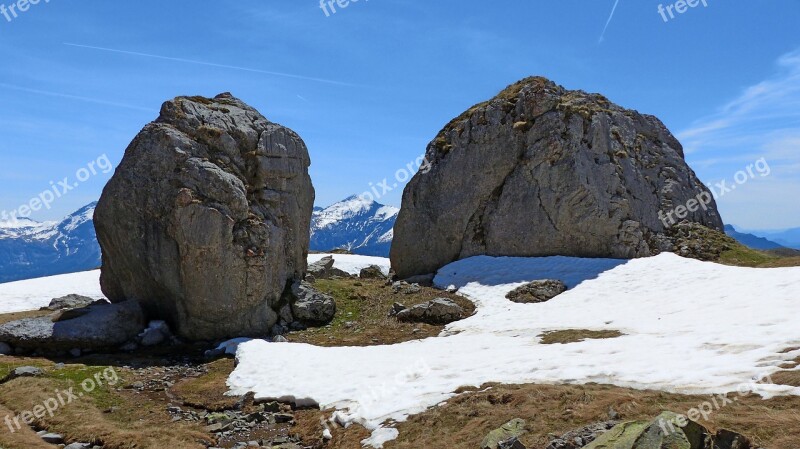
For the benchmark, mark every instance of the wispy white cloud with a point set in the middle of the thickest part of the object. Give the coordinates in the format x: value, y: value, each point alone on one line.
x: 212, y: 64
x: 763, y: 121
x: 74, y: 97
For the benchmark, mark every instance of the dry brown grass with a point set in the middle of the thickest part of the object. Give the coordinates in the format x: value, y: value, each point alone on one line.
x: 208, y: 391
x: 553, y: 410
x: 9, y: 317
x: 576, y: 336
x: 108, y: 416
x: 361, y: 316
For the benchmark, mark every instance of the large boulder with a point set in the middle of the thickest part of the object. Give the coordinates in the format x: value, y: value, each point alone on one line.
x: 99, y: 326
x: 206, y: 220
x: 540, y: 171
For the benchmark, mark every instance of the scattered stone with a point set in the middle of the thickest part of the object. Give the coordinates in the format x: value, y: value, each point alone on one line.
x: 425, y: 280
x: 78, y: 446
x: 372, y: 272
x: 279, y: 339
x: 156, y: 333
x: 591, y: 177
x: 510, y: 430
x: 537, y: 291
x: 52, y: 438
x: 577, y: 439
x: 70, y: 302
x: 23, y: 371
x: 100, y: 326
x: 439, y: 311
x: 311, y: 306
x: 396, y: 308
x: 6, y: 349
x: 513, y: 443
x: 321, y: 269
x: 207, y: 218
x: 667, y: 430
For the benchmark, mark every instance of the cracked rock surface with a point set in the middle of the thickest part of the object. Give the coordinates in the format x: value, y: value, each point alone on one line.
x: 206, y: 219
x: 540, y: 171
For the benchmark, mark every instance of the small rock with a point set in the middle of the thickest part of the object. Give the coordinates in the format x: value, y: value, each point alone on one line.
x: 440, y: 311
x: 53, y: 438
x: 372, y: 272
x: 6, y: 349
x: 425, y: 280
x: 282, y: 418
x: 510, y: 430
x: 75, y: 352
x: 155, y: 334
x: 279, y: 339
x: 23, y: 371
x: 69, y: 302
x: 512, y: 443
x: 311, y: 306
x: 537, y: 291
x: 78, y: 446
x: 396, y: 308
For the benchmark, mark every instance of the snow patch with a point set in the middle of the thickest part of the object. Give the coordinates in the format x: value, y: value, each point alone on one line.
x: 690, y: 327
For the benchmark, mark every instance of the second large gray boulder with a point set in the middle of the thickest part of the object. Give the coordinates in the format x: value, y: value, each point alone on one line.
x: 540, y: 170
x: 206, y: 220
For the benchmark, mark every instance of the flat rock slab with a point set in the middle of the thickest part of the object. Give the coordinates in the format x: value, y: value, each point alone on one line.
x: 95, y: 327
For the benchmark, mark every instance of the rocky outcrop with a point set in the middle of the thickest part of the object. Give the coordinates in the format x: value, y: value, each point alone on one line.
x: 206, y: 219
x: 508, y: 431
x: 99, y: 326
x: 540, y: 171
x: 537, y: 291
x: 439, y: 311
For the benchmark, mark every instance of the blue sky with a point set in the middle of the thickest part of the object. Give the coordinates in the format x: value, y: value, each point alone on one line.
x: 368, y: 86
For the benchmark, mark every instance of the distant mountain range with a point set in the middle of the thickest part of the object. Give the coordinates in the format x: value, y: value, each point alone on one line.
x: 30, y: 249
x: 789, y: 238
x: 753, y: 241
x: 356, y: 225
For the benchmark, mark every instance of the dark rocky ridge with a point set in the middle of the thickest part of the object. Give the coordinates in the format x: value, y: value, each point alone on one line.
x: 540, y: 170
x: 206, y: 219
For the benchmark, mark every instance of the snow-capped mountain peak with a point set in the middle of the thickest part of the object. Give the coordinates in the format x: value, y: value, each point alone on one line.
x: 30, y: 249
x: 355, y: 224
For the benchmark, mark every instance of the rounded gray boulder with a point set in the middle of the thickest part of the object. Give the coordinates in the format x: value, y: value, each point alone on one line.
x: 539, y: 171
x: 206, y: 220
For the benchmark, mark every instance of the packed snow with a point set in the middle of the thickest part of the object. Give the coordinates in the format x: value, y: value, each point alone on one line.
x: 690, y: 327
x: 35, y: 293
x: 351, y: 263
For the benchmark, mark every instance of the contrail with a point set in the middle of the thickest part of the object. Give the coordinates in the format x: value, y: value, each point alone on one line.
x: 211, y: 64
x: 608, y: 22
x: 75, y: 97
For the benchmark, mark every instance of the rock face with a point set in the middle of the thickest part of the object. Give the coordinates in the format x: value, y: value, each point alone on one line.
x: 542, y: 171
x: 206, y: 219
x: 99, y: 326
